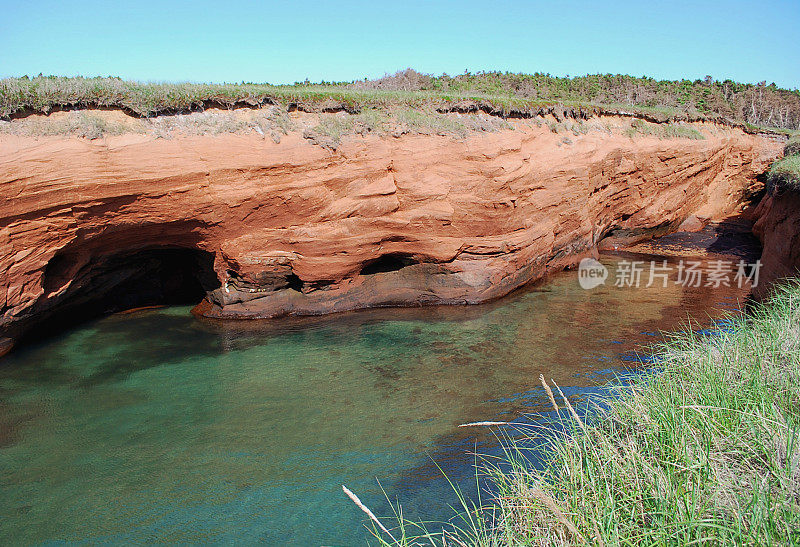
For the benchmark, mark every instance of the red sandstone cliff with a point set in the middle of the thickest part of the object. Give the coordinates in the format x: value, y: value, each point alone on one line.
x: 296, y: 228
x: 778, y: 227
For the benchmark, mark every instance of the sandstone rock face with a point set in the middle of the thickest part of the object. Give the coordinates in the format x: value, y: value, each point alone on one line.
x: 778, y: 227
x: 293, y: 228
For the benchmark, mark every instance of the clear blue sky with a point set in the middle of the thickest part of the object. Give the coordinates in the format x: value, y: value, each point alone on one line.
x: 282, y: 42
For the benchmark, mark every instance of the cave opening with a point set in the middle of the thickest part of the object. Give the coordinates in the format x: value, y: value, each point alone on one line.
x: 387, y: 263
x: 294, y: 283
x: 112, y: 283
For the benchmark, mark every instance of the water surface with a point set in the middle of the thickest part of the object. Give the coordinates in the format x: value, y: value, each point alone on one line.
x: 158, y: 427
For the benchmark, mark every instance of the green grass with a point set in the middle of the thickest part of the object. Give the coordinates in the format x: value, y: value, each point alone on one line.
x: 43, y: 94
x: 706, y: 451
x: 502, y: 94
x: 785, y: 173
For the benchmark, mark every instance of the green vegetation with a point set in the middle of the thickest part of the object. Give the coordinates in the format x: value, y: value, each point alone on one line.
x: 663, y: 131
x: 324, y: 129
x: 398, y: 121
x: 269, y: 122
x: 498, y: 93
x: 705, y: 451
x: 785, y: 173
x: 792, y: 147
x: 83, y: 124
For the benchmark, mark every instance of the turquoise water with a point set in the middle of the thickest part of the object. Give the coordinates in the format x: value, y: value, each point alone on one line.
x: 158, y: 427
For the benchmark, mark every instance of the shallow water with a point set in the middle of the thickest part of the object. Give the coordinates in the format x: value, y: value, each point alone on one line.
x: 155, y: 426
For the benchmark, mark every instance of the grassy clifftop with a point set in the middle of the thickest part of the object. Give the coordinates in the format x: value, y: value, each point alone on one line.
x: 503, y: 94
x: 785, y: 173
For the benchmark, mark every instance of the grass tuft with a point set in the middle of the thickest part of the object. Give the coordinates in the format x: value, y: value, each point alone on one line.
x: 663, y: 130
x: 792, y: 147
x: 785, y: 173
x: 399, y: 121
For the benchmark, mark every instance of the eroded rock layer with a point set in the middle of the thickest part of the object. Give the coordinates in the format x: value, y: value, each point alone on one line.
x: 778, y: 227
x: 292, y: 228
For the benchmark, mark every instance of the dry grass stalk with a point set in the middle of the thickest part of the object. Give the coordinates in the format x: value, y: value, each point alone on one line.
x: 549, y: 392
x: 569, y: 406
x: 369, y: 513
x: 553, y: 507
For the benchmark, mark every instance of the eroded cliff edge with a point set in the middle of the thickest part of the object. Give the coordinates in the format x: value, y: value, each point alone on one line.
x: 777, y: 225
x: 268, y: 229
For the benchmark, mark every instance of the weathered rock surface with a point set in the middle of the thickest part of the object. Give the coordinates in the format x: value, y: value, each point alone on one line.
x: 778, y: 227
x: 293, y: 228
